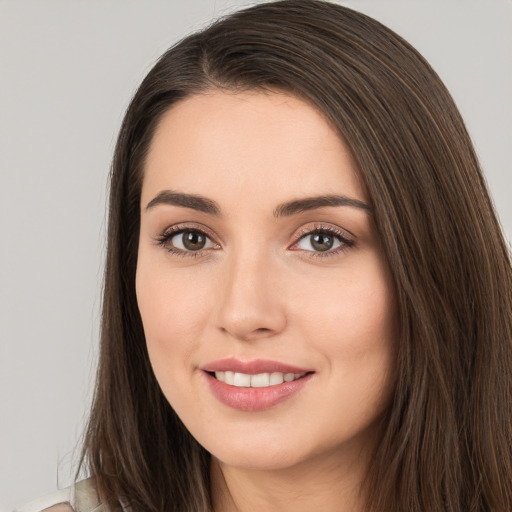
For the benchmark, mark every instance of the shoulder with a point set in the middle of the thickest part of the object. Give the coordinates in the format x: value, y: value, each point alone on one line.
x: 60, y: 499
x: 61, y: 507
x: 80, y: 497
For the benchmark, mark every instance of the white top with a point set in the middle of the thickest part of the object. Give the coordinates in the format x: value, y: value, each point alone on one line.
x: 82, y: 497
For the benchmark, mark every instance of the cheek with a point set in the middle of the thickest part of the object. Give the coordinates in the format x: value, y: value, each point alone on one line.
x: 168, y: 299
x: 351, y: 321
x: 174, y: 309
x: 352, y: 315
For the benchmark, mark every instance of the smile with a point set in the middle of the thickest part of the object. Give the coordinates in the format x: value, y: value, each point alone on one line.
x: 255, y: 385
x: 260, y: 380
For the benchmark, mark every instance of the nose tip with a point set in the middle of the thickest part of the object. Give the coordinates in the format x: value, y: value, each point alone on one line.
x: 250, y: 307
x: 247, y: 328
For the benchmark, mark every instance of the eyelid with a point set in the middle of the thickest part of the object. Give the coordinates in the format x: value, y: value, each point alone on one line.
x: 169, y: 232
x: 189, y: 226
x: 346, y: 238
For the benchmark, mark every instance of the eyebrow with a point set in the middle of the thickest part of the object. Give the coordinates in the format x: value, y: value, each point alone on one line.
x: 193, y: 201
x: 205, y: 205
x: 312, y: 203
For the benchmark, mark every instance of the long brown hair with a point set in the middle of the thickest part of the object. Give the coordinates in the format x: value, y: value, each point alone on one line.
x: 447, y: 441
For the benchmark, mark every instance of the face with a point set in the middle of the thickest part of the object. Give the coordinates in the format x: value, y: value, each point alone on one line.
x: 266, y: 301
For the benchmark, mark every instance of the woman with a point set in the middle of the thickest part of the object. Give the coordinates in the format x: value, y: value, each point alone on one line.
x: 307, y: 297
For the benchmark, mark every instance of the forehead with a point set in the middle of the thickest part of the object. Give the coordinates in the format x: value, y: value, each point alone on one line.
x: 266, y: 144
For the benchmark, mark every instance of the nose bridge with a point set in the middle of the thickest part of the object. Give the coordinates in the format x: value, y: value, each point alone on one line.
x: 250, y: 306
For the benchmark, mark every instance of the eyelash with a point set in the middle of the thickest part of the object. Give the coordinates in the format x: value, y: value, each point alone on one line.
x: 164, y: 239
x: 346, y: 243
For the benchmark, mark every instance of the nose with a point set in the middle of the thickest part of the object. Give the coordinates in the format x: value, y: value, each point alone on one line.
x: 250, y: 306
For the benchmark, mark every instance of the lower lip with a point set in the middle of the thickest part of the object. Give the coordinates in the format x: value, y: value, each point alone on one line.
x: 255, y: 399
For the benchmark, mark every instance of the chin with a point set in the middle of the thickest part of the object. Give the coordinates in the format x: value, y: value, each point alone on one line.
x: 285, y: 446
x: 266, y: 451
x: 269, y: 451
x: 259, y: 460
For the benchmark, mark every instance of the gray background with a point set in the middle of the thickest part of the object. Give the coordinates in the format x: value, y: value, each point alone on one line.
x: 67, y: 71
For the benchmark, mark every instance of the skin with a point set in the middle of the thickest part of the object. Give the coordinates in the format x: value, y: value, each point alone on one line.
x: 260, y: 290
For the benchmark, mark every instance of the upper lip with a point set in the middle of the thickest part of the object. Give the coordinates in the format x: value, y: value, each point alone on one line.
x: 251, y: 367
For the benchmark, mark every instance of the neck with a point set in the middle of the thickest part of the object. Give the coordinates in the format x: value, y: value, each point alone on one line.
x: 328, y: 484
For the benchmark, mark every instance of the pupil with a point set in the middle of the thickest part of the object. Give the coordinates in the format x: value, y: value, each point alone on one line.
x: 322, y: 242
x: 193, y: 241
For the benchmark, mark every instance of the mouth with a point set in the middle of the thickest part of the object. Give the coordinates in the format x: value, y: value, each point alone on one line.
x: 254, y: 385
x: 258, y: 380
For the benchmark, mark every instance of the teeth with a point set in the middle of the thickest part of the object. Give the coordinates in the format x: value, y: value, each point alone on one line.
x: 242, y: 380
x: 276, y: 378
x: 260, y: 380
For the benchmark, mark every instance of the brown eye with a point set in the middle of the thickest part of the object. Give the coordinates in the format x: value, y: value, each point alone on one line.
x: 320, y: 241
x: 191, y: 240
